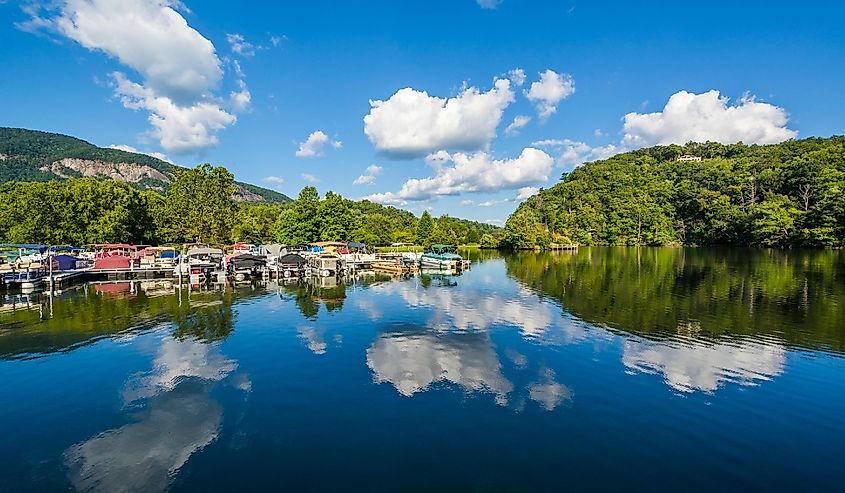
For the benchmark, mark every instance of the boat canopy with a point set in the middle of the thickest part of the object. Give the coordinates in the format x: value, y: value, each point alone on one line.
x: 272, y: 249
x: 355, y: 244
x: 162, y: 252
x: 247, y: 261
x: 115, y: 246
x: 25, y: 246
x: 66, y: 248
x: 205, y: 251
x: 324, y: 244
x: 291, y: 258
x: 65, y: 262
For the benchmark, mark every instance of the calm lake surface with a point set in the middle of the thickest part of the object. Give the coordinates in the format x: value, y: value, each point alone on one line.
x: 607, y: 369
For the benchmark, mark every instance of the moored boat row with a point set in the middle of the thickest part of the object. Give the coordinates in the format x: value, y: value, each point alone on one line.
x: 31, y: 266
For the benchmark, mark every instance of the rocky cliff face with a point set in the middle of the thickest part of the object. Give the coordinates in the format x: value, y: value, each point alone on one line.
x: 244, y: 195
x: 125, y: 172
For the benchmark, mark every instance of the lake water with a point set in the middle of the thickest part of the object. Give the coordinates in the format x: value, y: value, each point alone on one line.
x: 607, y: 369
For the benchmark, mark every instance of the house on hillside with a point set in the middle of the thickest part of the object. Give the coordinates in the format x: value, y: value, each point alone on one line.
x: 688, y: 157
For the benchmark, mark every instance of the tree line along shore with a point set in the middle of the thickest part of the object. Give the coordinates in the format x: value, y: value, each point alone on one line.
x: 200, y: 206
x: 790, y: 194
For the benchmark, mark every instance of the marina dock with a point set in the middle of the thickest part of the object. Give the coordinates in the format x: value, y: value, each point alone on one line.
x: 38, y: 267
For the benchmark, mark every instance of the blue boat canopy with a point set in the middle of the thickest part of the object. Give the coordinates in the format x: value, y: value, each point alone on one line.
x: 66, y: 248
x: 65, y: 262
x: 355, y: 244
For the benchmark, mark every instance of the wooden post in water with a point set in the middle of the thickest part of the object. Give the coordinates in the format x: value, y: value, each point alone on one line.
x: 50, y: 278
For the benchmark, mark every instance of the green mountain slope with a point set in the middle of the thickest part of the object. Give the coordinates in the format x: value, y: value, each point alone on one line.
x: 30, y: 155
x: 787, y: 194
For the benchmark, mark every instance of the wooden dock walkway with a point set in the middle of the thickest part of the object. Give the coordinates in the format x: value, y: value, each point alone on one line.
x: 62, y: 279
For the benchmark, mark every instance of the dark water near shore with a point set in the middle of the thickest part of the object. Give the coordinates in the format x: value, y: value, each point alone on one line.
x: 607, y: 369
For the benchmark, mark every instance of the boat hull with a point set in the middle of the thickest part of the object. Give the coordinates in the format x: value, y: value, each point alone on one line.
x: 437, y: 263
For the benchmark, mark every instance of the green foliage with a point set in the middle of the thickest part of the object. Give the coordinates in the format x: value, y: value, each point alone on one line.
x: 489, y: 241
x: 309, y: 219
x: 773, y: 221
x: 472, y: 237
x: 788, y: 194
x: 199, y: 206
x: 254, y: 222
x: 76, y: 212
x: 335, y: 218
x: 300, y: 221
x: 425, y: 228
x: 523, y: 231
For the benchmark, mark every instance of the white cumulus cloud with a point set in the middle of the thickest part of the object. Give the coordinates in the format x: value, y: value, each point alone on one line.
x: 369, y: 176
x: 472, y: 173
x: 274, y: 180
x: 517, y: 76
x: 575, y: 153
x: 179, y: 128
x: 309, y: 178
x: 518, y: 122
x: 412, y: 123
x: 708, y: 116
x: 551, y: 89
x: 526, y: 192
x: 179, y: 67
x: 314, y: 145
x: 686, y: 117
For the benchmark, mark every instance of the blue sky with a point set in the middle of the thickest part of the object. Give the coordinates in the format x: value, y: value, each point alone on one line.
x: 245, y: 84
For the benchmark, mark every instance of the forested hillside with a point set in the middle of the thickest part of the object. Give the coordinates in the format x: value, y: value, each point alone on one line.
x: 788, y: 194
x: 30, y: 155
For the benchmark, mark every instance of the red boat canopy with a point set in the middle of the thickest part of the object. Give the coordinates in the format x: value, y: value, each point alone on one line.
x: 116, y: 246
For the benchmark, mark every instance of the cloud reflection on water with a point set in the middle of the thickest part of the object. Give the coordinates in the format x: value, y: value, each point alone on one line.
x: 688, y: 365
x: 547, y: 392
x: 412, y: 362
x: 179, y: 417
x: 482, y: 307
x: 176, y: 360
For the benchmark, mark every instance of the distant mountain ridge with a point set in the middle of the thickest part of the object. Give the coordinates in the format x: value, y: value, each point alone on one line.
x: 32, y: 155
